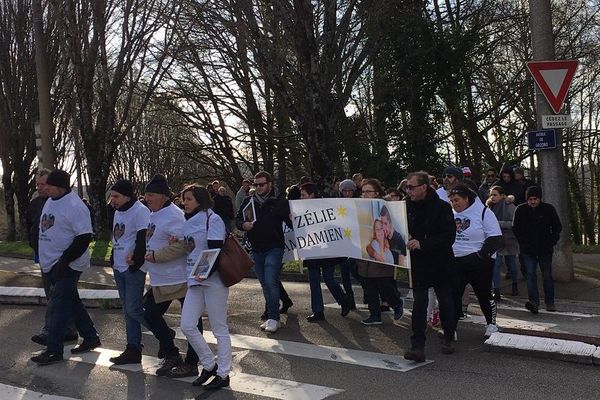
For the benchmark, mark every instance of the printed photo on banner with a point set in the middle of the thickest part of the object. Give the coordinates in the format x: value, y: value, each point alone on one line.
x: 373, y: 230
x: 249, y: 212
x: 205, y: 263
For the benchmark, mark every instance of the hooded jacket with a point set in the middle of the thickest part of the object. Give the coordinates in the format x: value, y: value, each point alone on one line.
x: 431, y: 222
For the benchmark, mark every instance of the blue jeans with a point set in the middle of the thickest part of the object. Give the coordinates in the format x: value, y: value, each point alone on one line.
x: 511, y: 264
x: 316, y: 296
x: 267, y: 265
x: 63, y: 306
x: 545, y: 262
x: 131, y: 292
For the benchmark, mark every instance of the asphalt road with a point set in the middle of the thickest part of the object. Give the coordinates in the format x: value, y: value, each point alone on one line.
x: 471, y: 373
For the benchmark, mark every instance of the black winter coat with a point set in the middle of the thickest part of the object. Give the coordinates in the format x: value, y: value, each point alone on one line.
x: 431, y: 222
x: 34, y: 213
x: 537, y: 229
x: 267, y: 232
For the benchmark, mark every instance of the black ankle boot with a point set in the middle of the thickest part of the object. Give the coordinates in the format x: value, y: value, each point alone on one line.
x: 131, y: 355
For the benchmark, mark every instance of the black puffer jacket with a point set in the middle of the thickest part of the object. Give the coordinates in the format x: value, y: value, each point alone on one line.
x: 267, y: 233
x: 431, y: 222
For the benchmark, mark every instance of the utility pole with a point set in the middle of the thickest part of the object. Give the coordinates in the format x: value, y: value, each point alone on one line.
x: 46, y: 130
x: 554, y: 184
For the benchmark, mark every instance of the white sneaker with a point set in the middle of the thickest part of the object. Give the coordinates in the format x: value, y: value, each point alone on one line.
x: 272, y: 325
x: 263, y: 325
x: 491, y: 328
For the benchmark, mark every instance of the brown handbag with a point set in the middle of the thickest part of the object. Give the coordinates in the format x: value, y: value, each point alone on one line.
x: 234, y: 262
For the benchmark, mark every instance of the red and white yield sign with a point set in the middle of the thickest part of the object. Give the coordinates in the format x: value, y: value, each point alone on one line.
x: 553, y: 78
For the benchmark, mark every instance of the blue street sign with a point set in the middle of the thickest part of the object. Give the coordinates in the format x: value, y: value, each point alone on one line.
x: 541, y: 140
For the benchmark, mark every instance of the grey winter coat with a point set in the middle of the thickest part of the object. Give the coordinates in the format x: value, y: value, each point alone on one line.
x: 505, y: 212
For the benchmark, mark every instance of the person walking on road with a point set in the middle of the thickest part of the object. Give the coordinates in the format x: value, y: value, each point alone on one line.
x: 204, y: 230
x: 130, y: 225
x: 478, y: 236
x: 34, y: 214
x: 64, y: 237
x: 432, y: 231
x: 537, y: 228
x: 265, y: 233
x: 166, y: 264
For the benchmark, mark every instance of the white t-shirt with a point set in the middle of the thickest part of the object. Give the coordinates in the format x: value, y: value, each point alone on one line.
x: 61, y: 221
x: 196, y: 239
x: 164, y: 223
x: 472, y: 230
x: 125, y: 228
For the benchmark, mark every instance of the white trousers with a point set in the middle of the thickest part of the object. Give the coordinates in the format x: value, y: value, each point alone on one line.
x: 214, y: 299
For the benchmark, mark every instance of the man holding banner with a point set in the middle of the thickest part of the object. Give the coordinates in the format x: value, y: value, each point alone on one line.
x: 432, y: 232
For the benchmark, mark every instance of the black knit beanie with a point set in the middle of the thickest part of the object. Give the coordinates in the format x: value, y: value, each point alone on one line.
x: 124, y: 187
x: 533, y: 191
x: 158, y: 184
x: 454, y: 171
x: 59, y: 178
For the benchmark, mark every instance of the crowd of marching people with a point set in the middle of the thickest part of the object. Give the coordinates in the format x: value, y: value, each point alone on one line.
x: 460, y: 234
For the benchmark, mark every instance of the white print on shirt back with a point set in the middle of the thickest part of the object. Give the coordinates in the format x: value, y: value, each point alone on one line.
x: 61, y: 221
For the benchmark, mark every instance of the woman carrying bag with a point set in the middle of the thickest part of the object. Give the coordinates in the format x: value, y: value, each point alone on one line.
x: 204, y: 230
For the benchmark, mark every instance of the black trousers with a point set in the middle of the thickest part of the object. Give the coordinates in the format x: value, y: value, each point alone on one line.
x: 384, y: 286
x: 443, y: 291
x: 477, y: 272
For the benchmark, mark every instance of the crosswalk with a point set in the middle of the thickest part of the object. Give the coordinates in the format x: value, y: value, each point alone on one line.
x: 264, y: 386
x: 240, y: 382
x: 16, y: 393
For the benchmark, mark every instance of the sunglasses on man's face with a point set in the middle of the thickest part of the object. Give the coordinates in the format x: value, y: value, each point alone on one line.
x: 491, y: 176
x: 259, y: 184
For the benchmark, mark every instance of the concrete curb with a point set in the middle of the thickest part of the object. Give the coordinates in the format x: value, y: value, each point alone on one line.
x: 544, y: 347
x: 93, y: 298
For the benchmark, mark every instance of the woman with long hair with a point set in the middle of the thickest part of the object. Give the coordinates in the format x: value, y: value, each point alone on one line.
x: 204, y: 230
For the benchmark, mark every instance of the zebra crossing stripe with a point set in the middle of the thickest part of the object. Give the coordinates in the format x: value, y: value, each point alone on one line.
x: 326, y: 353
x: 240, y: 382
x: 14, y: 393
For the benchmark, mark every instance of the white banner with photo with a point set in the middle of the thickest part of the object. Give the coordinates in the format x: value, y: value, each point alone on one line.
x: 369, y: 229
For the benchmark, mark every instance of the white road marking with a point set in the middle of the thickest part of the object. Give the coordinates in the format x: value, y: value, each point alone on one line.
x: 16, y: 393
x: 240, y: 382
x: 84, y: 294
x: 326, y: 353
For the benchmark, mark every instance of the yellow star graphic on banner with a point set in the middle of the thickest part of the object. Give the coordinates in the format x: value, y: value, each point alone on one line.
x: 342, y: 211
x: 348, y: 233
